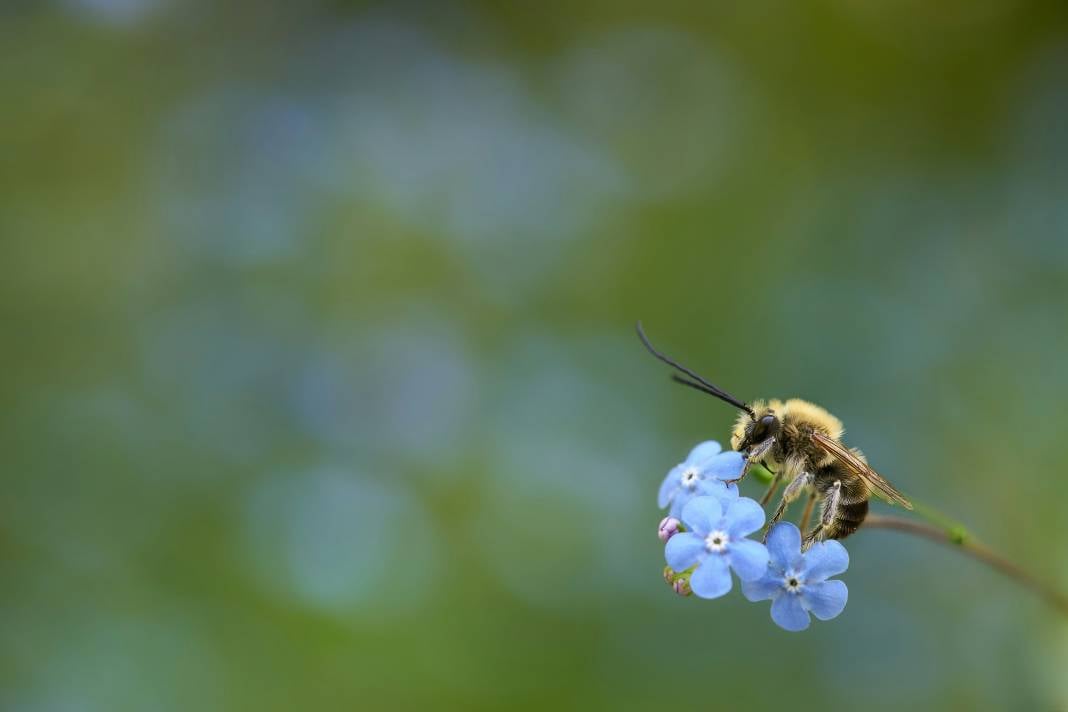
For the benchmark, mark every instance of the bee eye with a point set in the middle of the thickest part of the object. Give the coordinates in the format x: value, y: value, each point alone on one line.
x: 767, y: 425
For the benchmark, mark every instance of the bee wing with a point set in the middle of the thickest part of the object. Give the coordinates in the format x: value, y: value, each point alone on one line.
x: 863, y: 469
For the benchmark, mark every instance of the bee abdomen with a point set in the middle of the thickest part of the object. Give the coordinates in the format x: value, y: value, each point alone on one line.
x: 848, y: 520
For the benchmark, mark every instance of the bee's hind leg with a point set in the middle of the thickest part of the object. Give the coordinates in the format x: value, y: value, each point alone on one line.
x: 827, y: 515
x: 792, y: 492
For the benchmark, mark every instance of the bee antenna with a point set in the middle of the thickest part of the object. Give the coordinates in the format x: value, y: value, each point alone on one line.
x: 698, y: 383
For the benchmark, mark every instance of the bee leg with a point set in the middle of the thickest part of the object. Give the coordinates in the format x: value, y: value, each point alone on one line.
x: 776, y: 477
x: 755, y: 454
x: 808, y: 511
x: 792, y: 492
x: 827, y: 516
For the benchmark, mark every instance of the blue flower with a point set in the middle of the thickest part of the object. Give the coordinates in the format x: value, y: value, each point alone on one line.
x: 702, y: 473
x: 797, y: 583
x: 715, y: 541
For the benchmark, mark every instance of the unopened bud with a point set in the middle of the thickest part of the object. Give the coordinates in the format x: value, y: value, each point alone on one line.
x: 669, y: 527
x: 678, y: 580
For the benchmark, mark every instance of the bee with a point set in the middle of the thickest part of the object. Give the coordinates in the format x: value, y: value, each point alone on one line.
x: 800, y: 443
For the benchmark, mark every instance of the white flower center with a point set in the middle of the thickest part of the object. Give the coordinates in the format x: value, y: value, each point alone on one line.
x: 689, y: 478
x: 792, y: 581
x: 717, y: 541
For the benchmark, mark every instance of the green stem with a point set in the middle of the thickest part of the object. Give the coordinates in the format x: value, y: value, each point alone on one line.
x: 760, y: 472
x: 957, y: 531
x: 945, y: 531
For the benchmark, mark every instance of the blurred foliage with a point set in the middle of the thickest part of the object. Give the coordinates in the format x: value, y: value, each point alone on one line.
x: 320, y: 382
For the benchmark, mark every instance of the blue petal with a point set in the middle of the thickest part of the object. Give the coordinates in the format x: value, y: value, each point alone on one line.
x: 684, y: 550
x: 744, y: 516
x: 712, y: 579
x: 788, y: 613
x: 669, y: 485
x: 679, y: 501
x: 702, y: 452
x: 823, y: 560
x: 724, y: 467
x: 784, y: 546
x: 748, y: 558
x: 701, y: 514
x: 826, y: 600
x: 767, y: 586
x: 718, y: 489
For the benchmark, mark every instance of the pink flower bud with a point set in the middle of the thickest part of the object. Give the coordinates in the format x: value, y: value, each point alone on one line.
x: 669, y: 527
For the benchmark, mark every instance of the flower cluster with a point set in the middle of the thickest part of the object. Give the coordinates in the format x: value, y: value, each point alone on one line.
x: 706, y: 537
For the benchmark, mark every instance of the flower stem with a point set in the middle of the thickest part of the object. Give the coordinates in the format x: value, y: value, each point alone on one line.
x: 947, y: 532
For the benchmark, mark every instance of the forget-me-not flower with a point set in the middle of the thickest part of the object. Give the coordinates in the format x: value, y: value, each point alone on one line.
x: 701, y: 473
x: 797, y: 582
x: 715, y: 542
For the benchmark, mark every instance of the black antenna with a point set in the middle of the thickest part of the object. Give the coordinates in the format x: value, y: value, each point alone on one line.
x: 701, y: 384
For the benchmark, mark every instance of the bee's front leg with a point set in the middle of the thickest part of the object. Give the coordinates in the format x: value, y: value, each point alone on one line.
x: 756, y: 453
x: 792, y: 492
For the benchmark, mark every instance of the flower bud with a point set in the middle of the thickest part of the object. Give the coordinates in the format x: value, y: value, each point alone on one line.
x: 681, y: 586
x: 669, y: 527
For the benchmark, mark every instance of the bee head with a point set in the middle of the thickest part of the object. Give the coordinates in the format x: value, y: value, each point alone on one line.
x: 754, y: 428
x: 764, y: 427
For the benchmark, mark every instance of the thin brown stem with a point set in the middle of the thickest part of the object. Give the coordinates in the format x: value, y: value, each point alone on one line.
x: 959, y: 540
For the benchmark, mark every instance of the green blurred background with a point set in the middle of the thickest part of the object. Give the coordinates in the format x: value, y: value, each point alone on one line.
x: 319, y: 380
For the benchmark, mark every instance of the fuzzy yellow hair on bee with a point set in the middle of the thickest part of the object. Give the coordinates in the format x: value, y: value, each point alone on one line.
x: 793, y: 409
